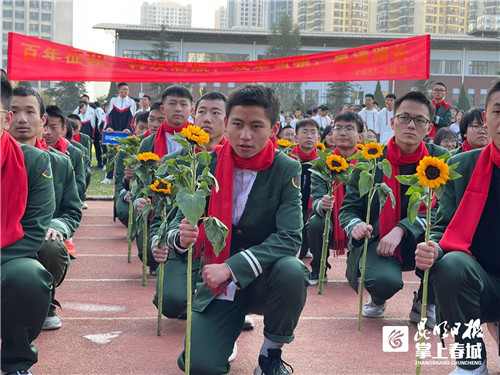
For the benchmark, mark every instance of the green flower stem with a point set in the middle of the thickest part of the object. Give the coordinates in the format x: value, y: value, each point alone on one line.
x: 425, y: 280
x: 129, y: 228
x: 144, y: 251
x: 371, y: 194
x: 324, y: 248
x: 160, y: 281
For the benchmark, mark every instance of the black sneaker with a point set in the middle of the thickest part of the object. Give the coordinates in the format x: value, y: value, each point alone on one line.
x: 314, y: 277
x: 152, y: 271
x: 273, y: 364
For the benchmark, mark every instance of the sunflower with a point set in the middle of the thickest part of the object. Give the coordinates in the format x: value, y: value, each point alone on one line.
x: 130, y: 137
x: 336, y: 163
x: 285, y: 143
x: 372, y: 151
x: 321, y: 146
x: 432, y: 172
x: 147, y: 156
x: 160, y: 186
x: 118, y: 148
x: 360, y: 146
x: 195, y: 135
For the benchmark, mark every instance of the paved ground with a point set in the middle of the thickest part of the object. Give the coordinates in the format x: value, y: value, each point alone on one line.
x: 109, y: 322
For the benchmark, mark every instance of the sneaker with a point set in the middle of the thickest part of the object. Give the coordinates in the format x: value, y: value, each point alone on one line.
x: 272, y: 364
x: 416, y: 309
x: 52, y: 322
x: 481, y: 370
x: 106, y: 181
x: 104, y: 168
x: 71, y: 249
x: 308, y: 254
x: 314, y: 277
x: 85, y: 206
x: 152, y: 271
x: 22, y: 372
x: 233, y: 354
x: 372, y: 310
x: 249, y: 323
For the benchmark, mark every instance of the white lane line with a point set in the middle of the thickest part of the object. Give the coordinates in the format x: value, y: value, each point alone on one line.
x: 103, y: 280
x: 101, y: 255
x: 101, y: 238
x: 103, y: 338
x: 92, y: 307
x: 258, y: 317
x: 99, y: 225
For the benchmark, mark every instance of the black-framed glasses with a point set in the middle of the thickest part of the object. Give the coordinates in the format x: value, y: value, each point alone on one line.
x: 477, y: 128
x: 348, y: 129
x: 418, y: 121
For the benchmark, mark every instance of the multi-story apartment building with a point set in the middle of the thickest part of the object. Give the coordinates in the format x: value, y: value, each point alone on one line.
x: 489, y: 18
x: 220, y: 21
x: 166, y: 13
x: 245, y: 14
x: 275, y: 9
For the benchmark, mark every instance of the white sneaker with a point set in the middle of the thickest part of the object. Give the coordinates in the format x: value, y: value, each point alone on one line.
x: 104, y: 168
x: 249, y: 323
x: 308, y: 254
x: 85, y: 206
x: 416, y: 311
x: 51, y: 323
x: 372, y: 310
x: 106, y: 181
x: 233, y: 354
x: 481, y: 370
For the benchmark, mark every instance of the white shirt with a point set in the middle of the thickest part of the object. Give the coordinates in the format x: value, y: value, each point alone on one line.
x: 323, y: 121
x: 84, y: 117
x: 172, y: 146
x: 369, y: 116
x: 243, y: 180
x: 384, y: 125
x: 122, y: 103
x: 144, y: 110
x: 90, y: 110
x: 294, y: 122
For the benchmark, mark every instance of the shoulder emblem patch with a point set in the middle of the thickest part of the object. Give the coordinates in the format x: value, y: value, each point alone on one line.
x: 296, y: 182
x: 47, y: 173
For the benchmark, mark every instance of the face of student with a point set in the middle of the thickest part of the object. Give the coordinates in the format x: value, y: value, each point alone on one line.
x: 83, y: 109
x: 210, y: 116
x: 389, y: 104
x: 492, y: 117
x: 288, y: 120
x: 123, y: 91
x: 288, y: 134
x: 141, y: 127
x: 329, y: 140
x: 438, y: 93
x: 177, y: 110
x: 26, y: 120
x: 307, y: 137
x: 345, y: 134
x: 249, y: 129
x: 78, y: 123
x: 408, y: 136
x: 145, y: 102
x: 477, y: 139
x: 155, y: 119
x: 53, y: 130
x: 369, y: 102
x: 448, y: 143
x: 371, y: 136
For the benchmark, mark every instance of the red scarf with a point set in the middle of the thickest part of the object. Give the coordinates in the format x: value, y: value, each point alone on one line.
x: 14, y: 190
x: 459, y: 233
x: 77, y: 138
x: 61, y: 145
x: 340, y: 239
x: 303, y: 156
x: 466, y: 146
x: 41, y: 145
x: 221, y: 202
x: 160, y: 145
x: 432, y: 133
x: 389, y: 216
x: 275, y: 142
x: 147, y: 134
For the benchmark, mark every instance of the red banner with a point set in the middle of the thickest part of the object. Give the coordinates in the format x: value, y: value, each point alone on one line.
x: 33, y: 59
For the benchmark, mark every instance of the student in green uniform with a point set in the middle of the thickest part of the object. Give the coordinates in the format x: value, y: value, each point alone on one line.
x: 392, y: 239
x: 463, y: 252
x: 473, y: 131
x: 257, y: 271
x: 27, y: 205
x: 347, y: 132
x: 442, y: 117
x: 27, y: 124
x: 83, y: 142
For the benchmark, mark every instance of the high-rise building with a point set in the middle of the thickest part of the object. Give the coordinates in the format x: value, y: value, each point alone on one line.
x: 489, y: 18
x: 275, y: 9
x: 245, y: 14
x: 220, y: 18
x: 167, y: 13
x: 51, y: 20
x: 333, y: 16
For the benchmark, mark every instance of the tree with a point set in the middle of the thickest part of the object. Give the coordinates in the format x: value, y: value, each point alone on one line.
x: 284, y: 41
x: 24, y: 83
x: 337, y: 94
x: 160, y: 51
x: 463, y: 100
x: 423, y: 85
x: 379, y: 97
x: 66, y: 95
x: 113, y: 91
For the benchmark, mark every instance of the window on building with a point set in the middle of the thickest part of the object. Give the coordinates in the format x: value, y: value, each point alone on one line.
x: 311, y: 98
x: 445, y: 66
x: 46, y: 5
x: 482, y: 97
x: 7, y: 25
x: 454, y: 98
x: 46, y: 16
x: 19, y: 26
x: 34, y: 28
x: 216, y: 57
x: 471, y: 94
x: 7, y: 3
x: 485, y: 68
x: 7, y: 13
x: 19, y: 3
x: 34, y: 4
x: 46, y: 28
x: 34, y: 16
x: 20, y: 14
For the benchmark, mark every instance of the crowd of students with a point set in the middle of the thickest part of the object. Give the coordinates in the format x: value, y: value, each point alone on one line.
x: 273, y: 206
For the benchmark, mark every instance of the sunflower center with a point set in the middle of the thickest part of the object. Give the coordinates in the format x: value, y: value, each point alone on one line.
x: 336, y: 164
x: 373, y: 151
x: 432, y: 172
x: 161, y: 185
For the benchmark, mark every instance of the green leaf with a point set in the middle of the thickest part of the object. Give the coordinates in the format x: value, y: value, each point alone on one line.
x: 143, y: 215
x: 203, y: 158
x: 439, y: 191
x: 384, y: 191
x: 320, y: 175
x: 415, y: 189
x: 357, y: 156
x: 365, y: 183
x: 191, y: 205
x: 162, y: 170
x: 445, y: 156
x: 454, y: 174
x: 364, y: 166
x: 414, y: 206
x: 386, y: 167
x: 216, y: 233
x: 407, y: 179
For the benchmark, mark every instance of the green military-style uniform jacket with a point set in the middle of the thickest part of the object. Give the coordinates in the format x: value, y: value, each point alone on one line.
x: 39, y: 207
x: 353, y: 211
x: 76, y: 157
x: 269, y: 228
x: 85, y: 141
x: 445, y: 117
x: 68, y: 213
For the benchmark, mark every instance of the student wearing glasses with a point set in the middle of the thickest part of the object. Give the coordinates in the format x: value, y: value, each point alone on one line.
x: 443, y: 116
x: 473, y: 131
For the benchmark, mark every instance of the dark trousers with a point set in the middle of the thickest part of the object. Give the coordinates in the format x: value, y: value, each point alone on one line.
x: 151, y: 260
x: 465, y: 291
x: 315, y: 227
x: 279, y: 294
x: 98, y: 148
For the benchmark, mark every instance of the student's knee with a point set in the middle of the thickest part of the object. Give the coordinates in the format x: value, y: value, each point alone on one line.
x: 383, y: 285
x: 24, y: 278
x: 54, y: 257
x: 290, y: 271
x: 315, y: 226
x: 452, y: 271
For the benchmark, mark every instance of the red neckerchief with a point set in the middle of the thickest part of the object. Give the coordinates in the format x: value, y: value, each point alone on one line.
x: 340, y: 239
x: 61, y: 145
x: 460, y: 232
x: 221, y: 202
x: 466, y: 146
x: 14, y: 190
x: 302, y: 155
x: 160, y: 145
x: 147, y: 134
x: 389, y: 216
x: 41, y: 145
x: 275, y: 142
x: 77, y: 138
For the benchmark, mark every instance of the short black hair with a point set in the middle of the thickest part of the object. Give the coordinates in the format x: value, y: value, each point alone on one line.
x: 325, y: 108
x: 156, y: 105
x: 73, y: 124
x: 85, y: 96
x: 256, y: 95
x: 370, y: 96
x: 122, y: 84
x: 71, y: 128
x: 327, y: 131
x: 28, y: 91
x: 74, y: 117
x: 306, y: 122
x: 391, y: 95
x: 6, y: 93
x: 415, y: 96
x: 146, y: 96
x: 350, y: 116
x: 141, y: 117
x: 55, y: 111
x: 445, y: 133
x: 212, y: 95
x: 178, y: 91
x: 468, y: 118
x: 287, y: 127
x: 440, y: 83
x: 491, y: 91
